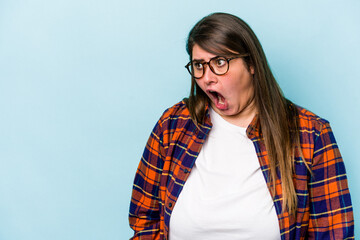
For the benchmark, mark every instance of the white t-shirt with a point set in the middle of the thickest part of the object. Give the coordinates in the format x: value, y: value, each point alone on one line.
x: 225, y: 195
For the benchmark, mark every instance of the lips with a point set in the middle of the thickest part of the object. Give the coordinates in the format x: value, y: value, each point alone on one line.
x: 218, y: 99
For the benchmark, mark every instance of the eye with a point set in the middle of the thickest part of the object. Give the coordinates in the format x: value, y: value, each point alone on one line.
x: 198, y: 65
x: 220, y: 62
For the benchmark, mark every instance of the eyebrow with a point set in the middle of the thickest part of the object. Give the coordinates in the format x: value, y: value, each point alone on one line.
x: 202, y: 60
x: 198, y: 60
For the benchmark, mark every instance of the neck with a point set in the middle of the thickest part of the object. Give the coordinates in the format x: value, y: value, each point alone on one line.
x: 243, y: 118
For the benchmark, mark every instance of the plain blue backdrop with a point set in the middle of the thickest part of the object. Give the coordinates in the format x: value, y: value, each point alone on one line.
x: 82, y: 84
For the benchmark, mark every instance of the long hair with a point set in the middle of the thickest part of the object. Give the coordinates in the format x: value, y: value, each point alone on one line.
x: 224, y: 34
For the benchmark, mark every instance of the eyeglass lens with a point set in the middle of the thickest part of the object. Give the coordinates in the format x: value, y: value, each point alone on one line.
x: 218, y: 65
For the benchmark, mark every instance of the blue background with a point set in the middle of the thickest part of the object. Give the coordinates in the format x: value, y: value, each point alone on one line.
x: 82, y: 84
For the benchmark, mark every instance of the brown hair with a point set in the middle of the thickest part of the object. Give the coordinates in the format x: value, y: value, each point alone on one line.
x: 224, y: 34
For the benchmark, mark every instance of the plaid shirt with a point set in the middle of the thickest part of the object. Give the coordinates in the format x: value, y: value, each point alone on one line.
x: 324, y: 208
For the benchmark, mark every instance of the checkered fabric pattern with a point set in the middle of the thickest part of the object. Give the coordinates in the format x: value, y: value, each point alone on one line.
x: 324, y: 208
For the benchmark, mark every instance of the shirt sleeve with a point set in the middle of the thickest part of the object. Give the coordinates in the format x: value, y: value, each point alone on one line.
x: 144, y: 214
x: 331, y: 214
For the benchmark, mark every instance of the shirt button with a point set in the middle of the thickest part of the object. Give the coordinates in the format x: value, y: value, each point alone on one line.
x: 170, y: 204
x: 186, y: 171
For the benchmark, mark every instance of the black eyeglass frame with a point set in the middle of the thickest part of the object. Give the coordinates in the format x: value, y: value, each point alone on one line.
x: 188, y: 66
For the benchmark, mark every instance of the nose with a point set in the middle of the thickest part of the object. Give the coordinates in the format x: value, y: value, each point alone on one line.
x: 209, y: 77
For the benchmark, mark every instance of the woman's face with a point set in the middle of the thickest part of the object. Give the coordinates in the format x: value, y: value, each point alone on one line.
x: 228, y: 93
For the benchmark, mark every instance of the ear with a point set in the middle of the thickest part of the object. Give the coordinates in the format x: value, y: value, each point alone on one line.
x: 252, y: 70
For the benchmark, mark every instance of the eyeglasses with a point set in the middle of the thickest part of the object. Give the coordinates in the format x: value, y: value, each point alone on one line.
x: 218, y: 65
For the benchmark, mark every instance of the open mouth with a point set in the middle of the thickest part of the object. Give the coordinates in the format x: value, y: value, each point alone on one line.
x: 217, y: 99
x: 217, y: 96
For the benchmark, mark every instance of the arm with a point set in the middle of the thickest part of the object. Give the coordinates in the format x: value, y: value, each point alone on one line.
x: 331, y: 214
x: 144, y: 215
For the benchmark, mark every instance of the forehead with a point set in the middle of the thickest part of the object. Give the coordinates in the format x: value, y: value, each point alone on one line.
x: 199, y: 53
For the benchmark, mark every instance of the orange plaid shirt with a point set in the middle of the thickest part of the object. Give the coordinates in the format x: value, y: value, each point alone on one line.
x: 324, y: 208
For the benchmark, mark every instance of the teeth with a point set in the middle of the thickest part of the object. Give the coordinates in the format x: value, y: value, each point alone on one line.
x: 220, y: 100
x: 219, y: 97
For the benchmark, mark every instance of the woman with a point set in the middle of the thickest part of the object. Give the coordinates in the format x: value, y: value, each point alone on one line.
x: 237, y: 160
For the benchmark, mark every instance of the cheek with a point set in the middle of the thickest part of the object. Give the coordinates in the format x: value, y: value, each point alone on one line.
x: 241, y: 80
x: 233, y: 83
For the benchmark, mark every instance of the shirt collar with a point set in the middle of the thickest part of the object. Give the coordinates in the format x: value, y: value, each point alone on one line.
x: 252, y: 131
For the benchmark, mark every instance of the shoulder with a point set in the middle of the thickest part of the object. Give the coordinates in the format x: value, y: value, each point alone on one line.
x: 316, y: 136
x: 309, y: 122
x: 175, y: 116
x: 307, y: 115
x: 178, y: 109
